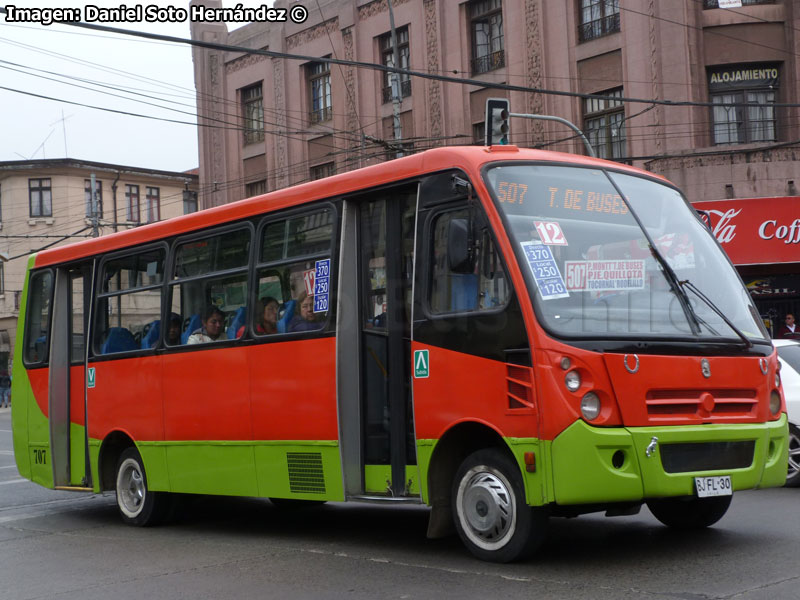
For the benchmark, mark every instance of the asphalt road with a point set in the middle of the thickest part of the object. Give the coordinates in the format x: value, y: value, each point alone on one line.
x: 61, y: 545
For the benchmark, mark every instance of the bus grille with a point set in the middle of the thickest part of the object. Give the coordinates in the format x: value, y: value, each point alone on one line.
x: 706, y: 456
x: 703, y: 404
x: 305, y: 472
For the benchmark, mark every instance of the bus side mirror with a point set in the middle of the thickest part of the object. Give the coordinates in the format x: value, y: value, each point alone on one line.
x: 459, y: 255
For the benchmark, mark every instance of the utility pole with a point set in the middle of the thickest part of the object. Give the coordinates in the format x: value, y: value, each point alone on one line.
x: 93, y: 192
x: 396, y: 91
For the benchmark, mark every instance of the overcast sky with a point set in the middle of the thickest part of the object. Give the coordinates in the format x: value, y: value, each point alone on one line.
x: 67, y: 57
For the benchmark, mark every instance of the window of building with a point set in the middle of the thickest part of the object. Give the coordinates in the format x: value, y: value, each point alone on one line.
x: 321, y: 171
x: 189, y: 201
x: 253, y: 111
x: 715, y: 3
x: 387, y: 57
x: 41, y: 197
x: 603, y: 124
x: 744, y: 99
x: 94, y: 206
x: 255, y: 188
x: 132, y: 200
x: 486, y: 27
x: 598, y: 18
x: 153, y: 199
x: 319, y: 84
x: 1, y: 205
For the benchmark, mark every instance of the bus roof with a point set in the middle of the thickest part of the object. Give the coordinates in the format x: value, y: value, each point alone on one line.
x: 468, y: 158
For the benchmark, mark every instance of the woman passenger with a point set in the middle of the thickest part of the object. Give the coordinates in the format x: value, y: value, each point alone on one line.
x: 268, y: 308
x: 305, y: 319
x: 213, y: 329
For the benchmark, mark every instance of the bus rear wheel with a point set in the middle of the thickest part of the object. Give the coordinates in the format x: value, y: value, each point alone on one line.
x: 688, y: 512
x: 137, y: 505
x: 491, y: 515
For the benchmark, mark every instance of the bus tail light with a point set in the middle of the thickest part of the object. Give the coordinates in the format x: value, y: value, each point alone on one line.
x: 775, y: 402
x: 590, y: 406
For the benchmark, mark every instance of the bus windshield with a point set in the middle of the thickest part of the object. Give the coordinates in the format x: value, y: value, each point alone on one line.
x: 589, y: 265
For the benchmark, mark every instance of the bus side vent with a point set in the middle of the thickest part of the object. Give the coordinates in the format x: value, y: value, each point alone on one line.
x: 305, y: 472
x: 520, y: 386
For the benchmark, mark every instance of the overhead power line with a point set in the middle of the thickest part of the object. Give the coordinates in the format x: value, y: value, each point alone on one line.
x: 420, y: 74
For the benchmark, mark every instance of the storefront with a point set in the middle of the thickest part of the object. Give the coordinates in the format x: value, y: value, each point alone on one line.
x: 762, y: 238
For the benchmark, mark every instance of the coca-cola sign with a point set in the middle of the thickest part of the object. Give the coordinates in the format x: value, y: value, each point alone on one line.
x: 756, y: 230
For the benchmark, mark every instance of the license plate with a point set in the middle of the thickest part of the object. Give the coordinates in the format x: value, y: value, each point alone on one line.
x: 719, y: 485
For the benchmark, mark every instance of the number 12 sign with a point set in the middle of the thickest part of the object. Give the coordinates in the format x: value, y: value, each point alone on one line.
x: 551, y: 233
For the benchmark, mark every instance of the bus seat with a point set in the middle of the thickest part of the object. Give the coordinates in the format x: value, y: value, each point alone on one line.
x: 194, y: 323
x: 119, y: 340
x: 153, y: 333
x: 237, y: 321
x: 286, y: 313
x: 463, y: 292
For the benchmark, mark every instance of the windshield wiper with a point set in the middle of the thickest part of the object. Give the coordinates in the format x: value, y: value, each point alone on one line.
x: 692, y: 287
x: 672, y: 278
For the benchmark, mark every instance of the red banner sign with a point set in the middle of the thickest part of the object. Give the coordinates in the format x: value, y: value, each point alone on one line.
x: 756, y: 231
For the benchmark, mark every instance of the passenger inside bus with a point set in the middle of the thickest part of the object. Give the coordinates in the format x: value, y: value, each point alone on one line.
x: 174, y: 330
x: 268, y: 309
x: 212, y: 329
x: 306, y: 320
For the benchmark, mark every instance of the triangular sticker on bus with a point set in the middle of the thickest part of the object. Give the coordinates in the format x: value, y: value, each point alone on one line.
x: 421, y: 364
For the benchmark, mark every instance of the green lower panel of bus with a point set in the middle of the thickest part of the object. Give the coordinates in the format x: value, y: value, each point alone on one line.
x: 284, y: 469
x: 594, y: 465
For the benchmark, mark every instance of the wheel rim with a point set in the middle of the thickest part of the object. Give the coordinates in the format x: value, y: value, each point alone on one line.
x: 130, y: 488
x: 794, y: 454
x: 486, y: 507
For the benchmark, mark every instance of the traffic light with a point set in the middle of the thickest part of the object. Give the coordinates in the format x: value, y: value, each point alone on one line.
x: 497, y: 114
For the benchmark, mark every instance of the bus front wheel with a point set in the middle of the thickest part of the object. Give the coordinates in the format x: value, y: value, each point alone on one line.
x: 689, y: 512
x: 137, y: 505
x: 491, y: 515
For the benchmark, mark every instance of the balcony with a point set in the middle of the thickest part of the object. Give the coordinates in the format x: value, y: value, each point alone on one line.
x: 598, y: 28
x: 405, y: 91
x: 490, y: 62
x: 320, y: 115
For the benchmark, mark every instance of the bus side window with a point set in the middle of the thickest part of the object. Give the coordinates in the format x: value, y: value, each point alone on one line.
x: 295, y: 270
x: 484, y: 286
x: 37, y: 324
x: 129, y: 301
x: 211, y: 271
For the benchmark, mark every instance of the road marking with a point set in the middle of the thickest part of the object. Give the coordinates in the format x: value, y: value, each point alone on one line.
x: 5, y: 430
x: 9, y: 452
x: 12, y: 481
x: 9, y: 467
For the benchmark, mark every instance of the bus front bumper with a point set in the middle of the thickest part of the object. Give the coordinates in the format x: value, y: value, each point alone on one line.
x: 596, y: 465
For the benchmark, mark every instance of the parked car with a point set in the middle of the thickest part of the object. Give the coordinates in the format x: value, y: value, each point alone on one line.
x: 789, y: 357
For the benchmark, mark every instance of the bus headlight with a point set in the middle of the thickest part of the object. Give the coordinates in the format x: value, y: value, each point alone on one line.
x: 590, y: 406
x: 573, y: 381
x: 774, y: 402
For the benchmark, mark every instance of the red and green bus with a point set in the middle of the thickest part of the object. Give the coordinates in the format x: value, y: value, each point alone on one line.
x: 503, y: 334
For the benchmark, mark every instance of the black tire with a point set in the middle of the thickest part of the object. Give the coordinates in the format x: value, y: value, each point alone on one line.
x: 489, y: 509
x: 688, y: 512
x: 136, y: 503
x: 793, y: 473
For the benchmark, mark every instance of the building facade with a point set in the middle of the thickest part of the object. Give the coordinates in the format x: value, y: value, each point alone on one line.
x: 706, y: 96
x: 49, y: 202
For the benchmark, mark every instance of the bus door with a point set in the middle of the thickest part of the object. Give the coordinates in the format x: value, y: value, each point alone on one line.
x: 376, y: 417
x: 68, y: 377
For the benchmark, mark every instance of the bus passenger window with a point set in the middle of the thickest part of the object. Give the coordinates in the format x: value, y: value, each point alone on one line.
x: 295, y: 272
x: 485, y: 287
x: 209, y: 287
x: 129, y: 302
x: 38, y: 318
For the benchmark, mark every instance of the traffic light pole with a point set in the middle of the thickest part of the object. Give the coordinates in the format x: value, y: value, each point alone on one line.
x: 589, y: 149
